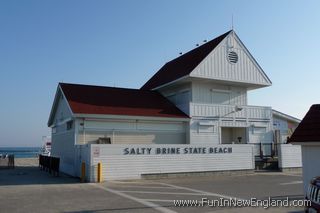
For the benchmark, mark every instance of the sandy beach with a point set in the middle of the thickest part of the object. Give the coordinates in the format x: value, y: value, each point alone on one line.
x: 26, y: 162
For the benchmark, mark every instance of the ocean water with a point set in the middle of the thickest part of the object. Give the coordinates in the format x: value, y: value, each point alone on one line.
x: 21, y: 152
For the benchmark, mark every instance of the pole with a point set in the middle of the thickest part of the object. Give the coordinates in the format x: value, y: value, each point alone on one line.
x: 99, y: 172
x: 83, y: 172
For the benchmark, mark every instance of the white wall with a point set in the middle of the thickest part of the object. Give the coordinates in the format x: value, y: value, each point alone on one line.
x: 179, y: 95
x: 82, y: 155
x: 310, y: 164
x: 62, y: 112
x: 63, y: 147
x: 289, y: 156
x: 283, y: 125
x: 217, y: 66
x: 116, y: 165
x: 206, y: 93
x: 204, y: 133
x: 63, y: 140
x: 132, y: 131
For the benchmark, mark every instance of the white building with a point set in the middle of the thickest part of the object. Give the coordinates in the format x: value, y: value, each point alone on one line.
x: 307, y: 135
x: 199, y: 98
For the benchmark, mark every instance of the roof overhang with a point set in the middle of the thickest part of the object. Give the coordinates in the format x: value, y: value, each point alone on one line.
x: 285, y: 116
x: 54, y: 106
x: 308, y: 143
x: 129, y: 117
x: 59, y: 93
x: 247, y: 85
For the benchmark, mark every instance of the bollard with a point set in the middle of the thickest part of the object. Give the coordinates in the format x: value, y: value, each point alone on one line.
x: 99, y: 172
x: 83, y: 172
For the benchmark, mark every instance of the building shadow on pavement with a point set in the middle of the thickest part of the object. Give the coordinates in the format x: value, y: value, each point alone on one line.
x: 31, y: 175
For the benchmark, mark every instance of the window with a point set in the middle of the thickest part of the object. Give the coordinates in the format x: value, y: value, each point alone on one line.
x: 69, y: 125
x: 259, y: 130
x: 205, y: 127
x: 219, y: 97
x: 54, y: 130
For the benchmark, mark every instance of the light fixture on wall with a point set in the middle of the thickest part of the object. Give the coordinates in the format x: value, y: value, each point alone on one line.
x: 237, y: 109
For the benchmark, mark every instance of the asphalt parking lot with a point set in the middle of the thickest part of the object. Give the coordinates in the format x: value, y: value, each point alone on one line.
x: 27, y: 189
x: 160, y: 194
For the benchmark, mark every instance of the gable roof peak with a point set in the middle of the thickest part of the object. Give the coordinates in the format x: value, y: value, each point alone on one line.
x: 309, y: 128
x: 183, y: 65
x: 102, y: 100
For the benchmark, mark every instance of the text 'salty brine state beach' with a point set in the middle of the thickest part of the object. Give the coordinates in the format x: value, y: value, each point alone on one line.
x: 176, y: 150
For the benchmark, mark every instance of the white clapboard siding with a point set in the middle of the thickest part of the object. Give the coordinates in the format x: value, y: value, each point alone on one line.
x: 227, y: 111
x: 134, y: 137
x: 204, y: 93
x: 133, y: 131
x: 82, y: 154
x: 116, y: 165
x: 311, y: 163
x: 63, y: 147
x: 290, y: 156
x: 216, y: 65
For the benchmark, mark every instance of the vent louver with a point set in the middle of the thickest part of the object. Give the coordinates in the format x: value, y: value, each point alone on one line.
x: 232, y: 57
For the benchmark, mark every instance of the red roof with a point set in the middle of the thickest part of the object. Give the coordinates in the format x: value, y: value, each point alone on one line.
x: 309, y: 128
x: 182, y: 65
x: 85, y: 99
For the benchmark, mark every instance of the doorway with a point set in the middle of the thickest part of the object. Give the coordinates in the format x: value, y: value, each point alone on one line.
x: 233, y: 135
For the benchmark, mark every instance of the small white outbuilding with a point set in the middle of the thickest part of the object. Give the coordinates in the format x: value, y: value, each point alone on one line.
x: 307, y: 135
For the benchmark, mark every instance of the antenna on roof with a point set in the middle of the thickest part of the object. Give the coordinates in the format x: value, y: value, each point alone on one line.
x: 232, y: 29
x: 232, y: 22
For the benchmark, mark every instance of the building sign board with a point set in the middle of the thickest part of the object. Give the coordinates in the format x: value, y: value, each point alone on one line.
x: 96, y: 152
x: 176, y: 150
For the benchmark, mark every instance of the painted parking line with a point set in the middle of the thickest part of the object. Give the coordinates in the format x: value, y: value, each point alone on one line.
x: 153, y: 202
x: 132, y: 182
x: 291, y: 183
x: 144, y: 202
x: 278, y: 174
x: 201, y: 192
x: 162, y: 193
x: 158, y: 200
x: 144, y: 187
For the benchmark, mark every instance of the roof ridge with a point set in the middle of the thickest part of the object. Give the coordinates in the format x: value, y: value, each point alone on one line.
x: 213, y: 39
x: 183, y: 65
x: 101, y: 86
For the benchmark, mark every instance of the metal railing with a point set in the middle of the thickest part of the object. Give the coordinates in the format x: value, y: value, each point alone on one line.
x: 50, y: 164
x: 265, y: 150
x: 7, y: 161
x: 229, y: 111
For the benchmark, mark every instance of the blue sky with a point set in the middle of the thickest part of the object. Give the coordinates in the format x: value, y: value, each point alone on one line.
x: 123, y: 43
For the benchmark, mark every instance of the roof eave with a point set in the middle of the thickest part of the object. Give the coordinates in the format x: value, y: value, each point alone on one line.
x: 126, y: 117
x: 54, y: 105
x: 308, y: 143
x: 255, y: 61
x: 171, y: 82
x: 283, y: 115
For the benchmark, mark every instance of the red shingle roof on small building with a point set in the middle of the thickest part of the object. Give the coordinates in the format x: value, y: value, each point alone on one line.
x: 182, y: 65
x: 309, y: 128
x: 86, y: 99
